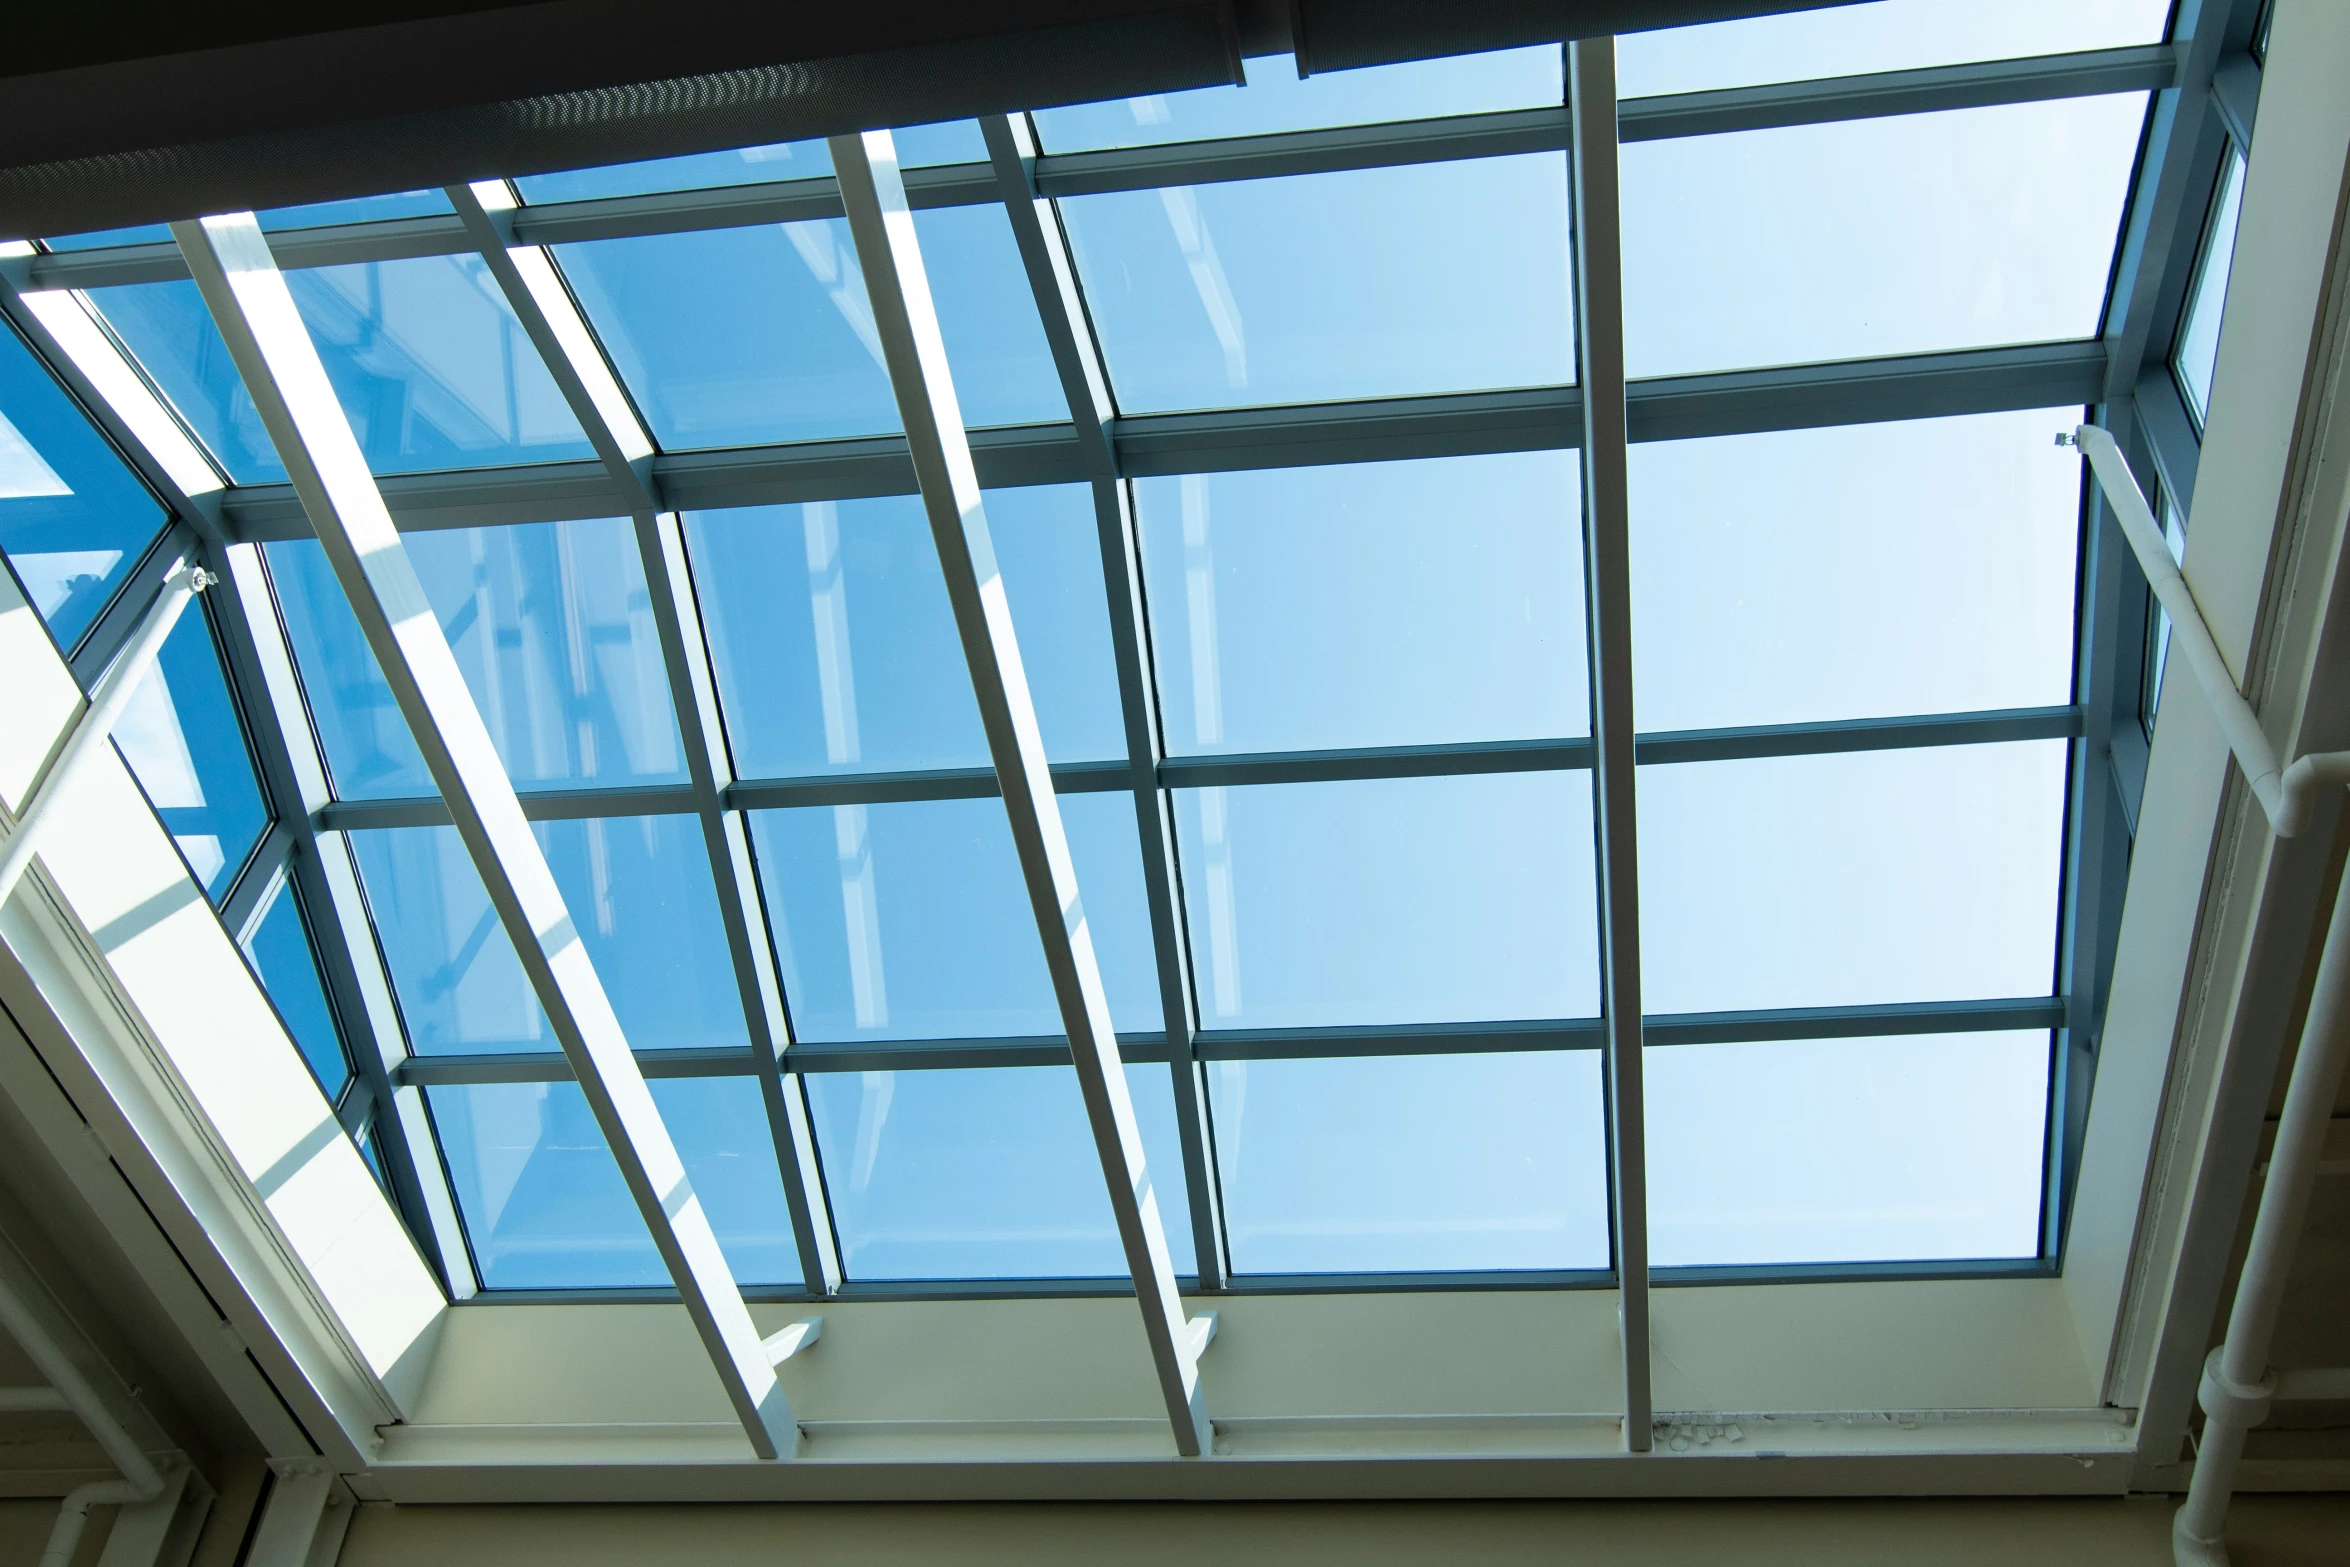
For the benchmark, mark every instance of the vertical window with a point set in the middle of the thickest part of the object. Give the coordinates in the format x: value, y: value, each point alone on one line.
x: 2197, y: 353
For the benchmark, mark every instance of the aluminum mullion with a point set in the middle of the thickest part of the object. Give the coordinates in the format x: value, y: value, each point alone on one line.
x: 890, y: 258
x: 1052, y: 279
x: 527, y: 278
x: 281, y: 370
x: 1607, y: 574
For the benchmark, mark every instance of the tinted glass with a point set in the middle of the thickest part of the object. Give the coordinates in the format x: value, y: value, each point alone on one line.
x: 280, y: 949
x: 984, y: 1174
x: 953, y: 141
x: 910, y: 920
x: 2198, y: 350
x: 1372, y: 604
x: 185, y: 743
x: 1418, y: 900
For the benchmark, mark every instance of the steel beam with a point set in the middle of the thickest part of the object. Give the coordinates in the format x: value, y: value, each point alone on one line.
x: 891, y: 259
x: 1607, y: 576
x: 282, y: 372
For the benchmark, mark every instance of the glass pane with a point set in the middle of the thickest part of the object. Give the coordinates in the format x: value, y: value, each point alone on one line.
x: 952, y: 952
x: 551, y: 624
x: 836, y: 650
x: 1438, y: 277
x: 735, y: 337
x: 185, y: 743
x: 987, y: 1174
x: 2198, y: 350
x: 1275, y: 100
x: 1415, y: 900
x: 1374, y: 604
x: 1847, y: 880
x: 1880, y: 1150
x: 544, y: 1205
x: 1413, y: 1163
x: 1890, y: 35
x: 951, y: 141
x: 280, y: 949
x: 1820, y: 242
x: 1810, y: 575
x: 638, y: 891
x: 73, y: 518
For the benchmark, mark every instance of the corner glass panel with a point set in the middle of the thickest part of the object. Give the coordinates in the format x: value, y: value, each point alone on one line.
x: 1864, y: 878
x: 1441, y: 277
x: 638, y: 891
x: 1890, y: 35
x: 742, y: 336
x: 1921, y: 1148
x: 985, y: 1174
x: 1404, y: 1164
x: 553, y: 628
x: 2198, y: 351
x: 1810, y: 575
x: 1371, y: 604
x: 544, y: 1205
x: 952, y: 141
x: 280, y: 950
x: 1394, y: 901
x: 1275, y: 100
x: 73, y: 518
x: 185, y: 743
x: 1822, y: 242
x: 911, y: 921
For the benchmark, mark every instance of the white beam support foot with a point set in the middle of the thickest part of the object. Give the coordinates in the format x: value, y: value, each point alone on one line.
x: 802, y: 1334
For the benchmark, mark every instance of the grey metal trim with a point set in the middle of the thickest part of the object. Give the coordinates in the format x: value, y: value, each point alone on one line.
x: 1857, y: 1272
x: 2171, y: 438
x: 2235, y: 93
x: 259, y: 882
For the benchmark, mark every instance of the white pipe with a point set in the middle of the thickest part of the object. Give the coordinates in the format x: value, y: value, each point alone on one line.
x: 20, y: 1323
x: 113, y: 693
x: 66, y: 1534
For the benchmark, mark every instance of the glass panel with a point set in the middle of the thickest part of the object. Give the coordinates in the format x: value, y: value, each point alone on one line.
x: 1809, y: 574
x: 733, y: 337
x: 1413, y: 1163
x: 951, y: 141
x: 836, y: 650
x: 363, y: 209
x: 987, y: 1174
x: 2174, y: 533
x: 1890, y: 35
x: 551, y: 624
x: 73, y: 518
x: 1820, y: 242
x: 544, y: 1205
x: 166, y: 327
x: 185, y: 743
x: 1879, y: 1150
x: 1415, y: 900
x: 1437, y: 277
x: 952, y: 952
x: 1847, y: 880
x: 280, y: 950
x: 638, y: 890
x: 1275, y: 100
x: 1374, y: 604
x: 2198, y: 350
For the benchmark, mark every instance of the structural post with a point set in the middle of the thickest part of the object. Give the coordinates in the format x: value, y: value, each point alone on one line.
x: 1607, y: 580
x: 875, y: 195
x: 280, y: 367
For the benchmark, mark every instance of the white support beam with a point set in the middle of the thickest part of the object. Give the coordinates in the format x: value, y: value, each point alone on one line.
x: 281, y: 370
x: 897, y: 285
x: 1607, y: 578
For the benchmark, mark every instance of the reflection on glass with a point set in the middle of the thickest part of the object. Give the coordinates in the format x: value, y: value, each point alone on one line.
x: 836, y: 650
x: 1418, y: 900
x: 2198, y: 350
x: 1820, y: 242
x: 73, y: 519
x: 951, y: 141
x: 185, y: 743
x: 985, y: 1174
x: 1429, y: 278
x: 638, y: 891
x: 1810, y: 575
x: 1889, y: 35
x: 1371, y: 604
x: 544, y: 1205
x: 1275, y: 100
x: 553, y: 628
x: 1413, y: 1163
x: 1879, y: 1150
x: 1855, y: 879
x: 910, y: 920
x: 733, y: 337
x: 279, y: 948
